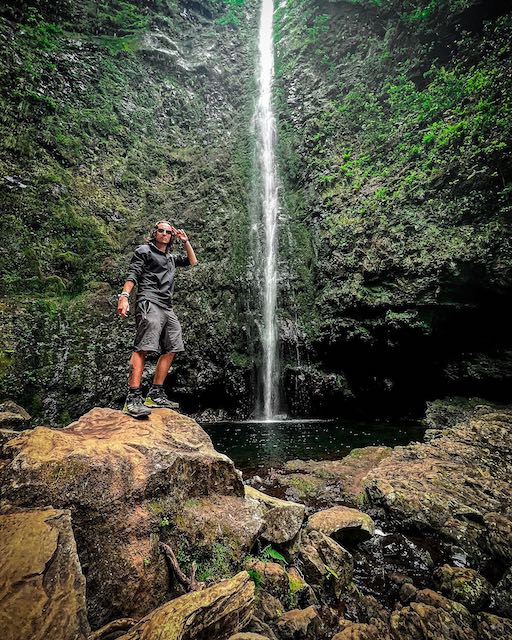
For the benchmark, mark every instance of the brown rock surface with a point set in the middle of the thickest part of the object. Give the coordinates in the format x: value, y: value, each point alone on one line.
x: 457, y: 611
x: 6, y: 435
x: 327, y: 482
x: 502, y: 595
x: 217, y: 612
x: 457, y: 485
x: 218, y: 531
x: 259, y: 627
x: 300, y: 590
x: 13, y: 416
x: 344, y: 524
x: 282, y: 519
x: 271, y: 576
x: 492, y: 627
x: 431, y: 616
x: 119, y: 477
x: 424, y: 622
x: 464, y: 585
x: 269, y: 608
x: 325, y: 562
x: 248, y: 636
x: 362, y: 631
x: 299, y: 623
x: 42, y: 589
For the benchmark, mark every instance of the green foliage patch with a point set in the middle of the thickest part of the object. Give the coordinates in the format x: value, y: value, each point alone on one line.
x: 401, y: 160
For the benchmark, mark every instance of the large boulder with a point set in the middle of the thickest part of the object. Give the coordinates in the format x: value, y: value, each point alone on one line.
x: 42, y: 589
x: 122, y: 480
x: 12, y: 416
x: 431, y: 616
x: 502, y: 595
x: 217, y: 612
x: 344, y: 524
x: 300, y: 624
x: 464, y: 585
x: 325, y: 563
x: 492, y: 627
x: 270, y: 576
x: 362, y: 631
x: 217, y: 532
x: 457, y: 485
x: 282, y: 519
x: 6, y: 435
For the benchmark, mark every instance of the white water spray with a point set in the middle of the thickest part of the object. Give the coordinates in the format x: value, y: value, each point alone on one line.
x: 266, y: 134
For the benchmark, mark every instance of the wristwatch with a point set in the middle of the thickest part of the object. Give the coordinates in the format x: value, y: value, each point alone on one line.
x: 125, y: 294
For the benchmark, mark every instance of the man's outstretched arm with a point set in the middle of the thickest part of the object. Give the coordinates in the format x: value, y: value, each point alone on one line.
x: 123, y: 304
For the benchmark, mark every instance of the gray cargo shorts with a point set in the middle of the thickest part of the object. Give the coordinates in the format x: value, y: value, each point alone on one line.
x: 158, y: 329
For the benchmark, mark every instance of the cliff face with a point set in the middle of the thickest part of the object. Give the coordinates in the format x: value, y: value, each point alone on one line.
x: 115, y: 116
x: 394, y: 132
x: 395, y: 126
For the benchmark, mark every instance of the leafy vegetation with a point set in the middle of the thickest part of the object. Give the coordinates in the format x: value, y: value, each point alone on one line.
x: 232, y: 15
x: 269, y: 553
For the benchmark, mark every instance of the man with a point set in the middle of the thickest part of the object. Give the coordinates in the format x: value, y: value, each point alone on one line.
x: 152, y: 269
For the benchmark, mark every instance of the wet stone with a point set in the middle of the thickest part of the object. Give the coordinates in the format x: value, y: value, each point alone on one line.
x: 466, y: 586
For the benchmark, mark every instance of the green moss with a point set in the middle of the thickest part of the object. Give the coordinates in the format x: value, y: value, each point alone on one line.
x: 218, y: 566
x: 305, y: 486
x: 212, y: 564
x: 193, y: 503
x: 97, y: 139
x: 6, y: 360
x: 233, y: 13
x: 256, y: 577
x: 296, y: 584
x: 396, y: 168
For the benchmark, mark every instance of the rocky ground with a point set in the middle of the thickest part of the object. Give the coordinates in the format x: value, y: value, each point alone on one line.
x: 113, y: 527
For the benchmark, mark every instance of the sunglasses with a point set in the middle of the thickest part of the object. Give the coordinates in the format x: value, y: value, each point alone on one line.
x: 168, y: 231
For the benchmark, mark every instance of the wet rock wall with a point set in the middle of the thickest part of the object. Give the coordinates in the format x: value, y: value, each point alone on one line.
x: 115, y: 116
x: 394, y: 130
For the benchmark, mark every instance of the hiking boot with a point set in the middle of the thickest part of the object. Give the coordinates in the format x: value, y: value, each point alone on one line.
x: 157, y: 399
x: 134, y: 406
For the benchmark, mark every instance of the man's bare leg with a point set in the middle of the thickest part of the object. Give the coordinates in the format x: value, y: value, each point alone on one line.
x: 163, y: 366
x: 134, y: 405
x: 137, y: 362
x: 157, y: 396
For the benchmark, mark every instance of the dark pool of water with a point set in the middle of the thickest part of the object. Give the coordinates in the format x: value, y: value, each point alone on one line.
x: 259, y: 445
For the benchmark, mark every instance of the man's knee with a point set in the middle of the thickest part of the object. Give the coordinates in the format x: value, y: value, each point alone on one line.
x: 138, y: 358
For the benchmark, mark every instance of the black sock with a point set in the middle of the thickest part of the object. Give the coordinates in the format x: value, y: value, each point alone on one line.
x: 157, y: 386
x: 134, y: 390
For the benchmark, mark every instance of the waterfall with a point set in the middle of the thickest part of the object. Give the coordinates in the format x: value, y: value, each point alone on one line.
x: 265, y: 129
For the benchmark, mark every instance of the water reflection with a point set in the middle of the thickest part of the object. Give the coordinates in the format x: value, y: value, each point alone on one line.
x: 254, y: 444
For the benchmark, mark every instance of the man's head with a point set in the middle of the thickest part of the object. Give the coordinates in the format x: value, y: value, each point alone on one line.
x: 163, y: 234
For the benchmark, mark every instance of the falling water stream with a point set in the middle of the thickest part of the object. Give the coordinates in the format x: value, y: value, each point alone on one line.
x: 265, y: 128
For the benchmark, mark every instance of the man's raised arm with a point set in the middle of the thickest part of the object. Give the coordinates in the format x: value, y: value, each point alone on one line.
x: 179, y: 233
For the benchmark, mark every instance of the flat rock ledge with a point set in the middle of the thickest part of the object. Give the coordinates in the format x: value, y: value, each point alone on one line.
x: 121, y: 480
x: 344, y: 524
x: 320, y: 484
x: 457, y: 485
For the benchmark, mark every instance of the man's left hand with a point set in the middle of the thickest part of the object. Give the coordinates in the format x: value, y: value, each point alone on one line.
x: 179, y: 233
